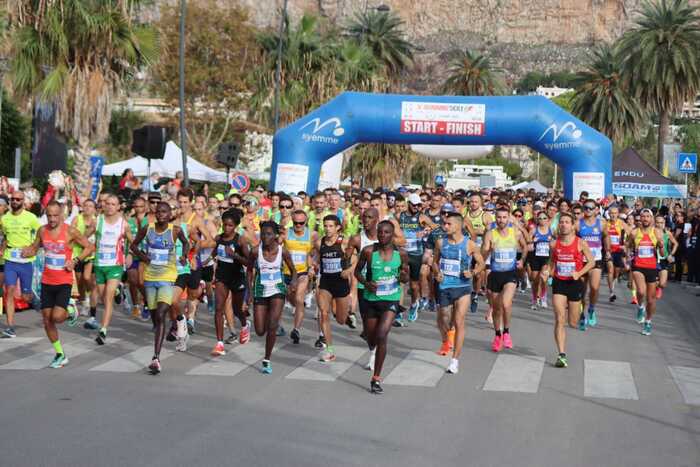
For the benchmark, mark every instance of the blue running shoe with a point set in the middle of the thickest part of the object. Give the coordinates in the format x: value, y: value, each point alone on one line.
x: 592, y: 317
x: 73, y: 315
x: 646, y: 328
x: 398, y: 321
x: 266, y: 367
x: 59, y: 361
x: 474, y: 304
x: 91, y: 323
x: 145, y: 314
x: 641, y: 314
x: 280, y: 331
x: 413, y: 313
x: 582, y: 322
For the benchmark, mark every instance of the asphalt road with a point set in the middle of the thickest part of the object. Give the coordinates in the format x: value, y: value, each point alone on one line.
x: 625, y: 400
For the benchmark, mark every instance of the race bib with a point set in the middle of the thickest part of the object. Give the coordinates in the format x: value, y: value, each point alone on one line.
x: 16, y: 254
x: 450, y: 267
x: 107, y: 256
x: 158, y: 256
x: 332, y: 265
x: 269, y: 281
x: 504, y: 256
x: 645, y: 251
x: 387, y: 287
x: 298, y: 257
x: 597, y: 253
x: 221, y: 254
x: 542, y: 249
x: 614, y: 239
x: 411, y: 244
x: 566, y: 269
x: 54, y: 261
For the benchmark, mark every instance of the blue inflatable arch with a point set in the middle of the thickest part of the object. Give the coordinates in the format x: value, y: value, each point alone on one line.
x: 584, y: 155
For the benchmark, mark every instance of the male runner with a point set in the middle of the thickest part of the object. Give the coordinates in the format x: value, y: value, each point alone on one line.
x: 18, y: 229
x: 134, y: 271
x: 665, y: 260
x: 568, y: 269
x: 452, y: 269
x: 413, y: 224
x: 479, y: 220
x: 617, y: 230
x: 86, y: 223
x: 502, y: 244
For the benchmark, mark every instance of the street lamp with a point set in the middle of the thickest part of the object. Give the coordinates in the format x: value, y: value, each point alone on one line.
x: 278, y: 70
x: 183, y: 137
x: 3, y: 68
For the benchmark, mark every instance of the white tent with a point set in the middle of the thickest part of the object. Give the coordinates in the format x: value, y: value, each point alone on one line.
x: 166, y: 167
x: 537, y: 186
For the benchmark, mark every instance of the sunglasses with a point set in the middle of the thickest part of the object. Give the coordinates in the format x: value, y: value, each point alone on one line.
x: 17, y: 199
x: 235, y: 205
x: 543, y: 218
x: 300, y: 223
x: 286, y: 206
x: 518, y: 215
x: 588, y: 208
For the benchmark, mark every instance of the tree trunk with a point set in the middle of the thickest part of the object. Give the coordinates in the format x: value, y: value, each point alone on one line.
x: 664, y: 118
x: 81, y: 169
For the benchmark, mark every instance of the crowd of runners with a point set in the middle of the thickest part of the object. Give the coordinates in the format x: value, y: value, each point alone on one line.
x: 384, y: 255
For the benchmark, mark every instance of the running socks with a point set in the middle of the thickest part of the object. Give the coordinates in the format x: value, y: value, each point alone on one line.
x: 58, y: 347
x: 505, y: 331
x: 103, y: 330
x: 498, y: 333
x: 93, y: 311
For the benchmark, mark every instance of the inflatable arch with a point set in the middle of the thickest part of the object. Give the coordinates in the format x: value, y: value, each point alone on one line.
x: 584, y: 155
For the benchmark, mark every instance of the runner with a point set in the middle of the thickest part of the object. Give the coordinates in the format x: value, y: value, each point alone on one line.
x: 452, y: 269
x: 384, y: 267
x: 56, y: 238
x: 205, y: 262
x: 160, y: 239
x: 413, y: 224
x: 646, y: 241
x: 334, y: 286
x: 568, y: 269
x: 502, y: 244
x: 268, y: 286
x: 134, y: 271
x: 617, y: 230
x: 231, y: 254
x: 665, y: 260
x: 18, y: 229
x: 541, y: 236
x: 594, y: 231
x: 86, y: 223
x: 110, y: 260
x: 479, y: 220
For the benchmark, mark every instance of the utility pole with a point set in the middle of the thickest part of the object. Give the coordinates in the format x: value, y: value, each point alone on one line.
x: 278, y: 71
x: 183, y: 135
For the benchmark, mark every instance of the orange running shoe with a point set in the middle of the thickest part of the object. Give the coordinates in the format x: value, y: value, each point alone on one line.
x: 451, y: 338
x: 634, y: 300
x: 445, y: 348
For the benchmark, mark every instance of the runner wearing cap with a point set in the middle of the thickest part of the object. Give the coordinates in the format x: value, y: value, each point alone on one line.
x: 478, y: 219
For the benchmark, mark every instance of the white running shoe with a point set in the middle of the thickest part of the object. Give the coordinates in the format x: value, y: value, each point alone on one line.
x: 370, y: 362
x: 181, y: 331
x: 181, y: 345
x: 453, y: 368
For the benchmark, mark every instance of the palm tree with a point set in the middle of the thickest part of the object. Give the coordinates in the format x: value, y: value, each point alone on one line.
x: 602, y: 98
x: 661, y: 59
x: 78, y: 54
x: 471, y: 74
x: 383, y: 33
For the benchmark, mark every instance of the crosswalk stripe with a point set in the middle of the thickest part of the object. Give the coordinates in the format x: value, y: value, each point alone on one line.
x: 515, y: 373
x: 9, y: 344
x: 316, y: 370
x: 688, y: 381
x: 608, y: 379
x: 236, y: 360
x: 41, y: 360
x: 134, y: 361
x: 419, y: 368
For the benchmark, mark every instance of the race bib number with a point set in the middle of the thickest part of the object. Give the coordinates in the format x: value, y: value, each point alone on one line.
x: 16, y: 254
x: 269, y: 281
x: 504, y: 256
x: 597, y: 253
x: 298, y: 257
x: 565, y: 269
x: 387, y: 287
x: 158, y: 256
x: 450, y: 267
x: 411, y: 244
x: 614, y: 239
x: 221, y: 254
x: 645, y: 251
x: 332, y: 265
x: 107, y: 256
x: 55, y: 262
x: 542, y: 249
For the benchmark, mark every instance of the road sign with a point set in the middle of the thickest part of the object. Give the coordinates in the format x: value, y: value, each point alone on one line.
x: 687, y: 162
x: 439, y: 180
x: 240, y: 181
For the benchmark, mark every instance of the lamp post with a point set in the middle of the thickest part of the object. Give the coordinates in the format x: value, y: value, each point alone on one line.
x: 183, y: 136
x: 278, y: 70
x: 3, y: 67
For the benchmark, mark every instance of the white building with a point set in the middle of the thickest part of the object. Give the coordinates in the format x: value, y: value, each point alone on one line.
x: 468, y: 176
x: 550, y: 93
x: 691, y: 109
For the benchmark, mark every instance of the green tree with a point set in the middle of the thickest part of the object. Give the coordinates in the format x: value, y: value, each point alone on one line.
x: 14, y: 133
x: 78, y: 54
x: 471, y: 74
x: 383, y: 33
x: 602, y: 98
x: 661, y: 60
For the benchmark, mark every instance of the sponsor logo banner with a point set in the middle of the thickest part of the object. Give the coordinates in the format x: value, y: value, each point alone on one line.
x: 439, y: 118
x: 649, y: 190
x: 556, y: 136
x: 328, y: 131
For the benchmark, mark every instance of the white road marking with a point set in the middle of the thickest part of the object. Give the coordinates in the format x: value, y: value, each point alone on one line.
x: 688, y: 381
x: 419, y: 368
x: 608, y: 379
x: 515, y: 373
x: 316, y: 370
x: 41, y: 360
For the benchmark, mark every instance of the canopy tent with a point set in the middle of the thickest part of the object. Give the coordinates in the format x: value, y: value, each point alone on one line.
x: 633, y: 176
x: 535, y: 185
x: 168, y: 166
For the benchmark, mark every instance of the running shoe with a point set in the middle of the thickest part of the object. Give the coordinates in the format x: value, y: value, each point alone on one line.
x: 232, y: 337
x: 145, y: 313
x: 119, y: 295
x: 659, y: 292
x: 280, y: 331
x: 320, y: 342
x: 634, y: 300
x: 308, y: 299
x: 413, y: 313
x: 612, y: 298
x: 646, y: 328
x: 73, y: 315
x: 91, y: 323
x: 543, y: 301
x: 181, y: 327
x: 422, y: 304
x: 327, y: 355
x: 375, y: 387
x: 582, y: 322
x: 135, y: 312
x: 445, y: 348
x: 154, y: 367
x: 533, y: 304
x: 453, y: 368
x: 398, y: 321
x: 85, y: 308
x: 507, y: 341
x: 474, y: 304
x: 561, y: 362
x: 171, y: 336
x: 352, y: 321
x: 451, y: 338
x: 190, y: 326
x: 218, y: 350
x: 641, y: 314
x: 181, y: 345
x: 592, y: 317
x: 370, y: 362
x: 59, y: 361
x: 497, y: 343
x: 295, y: 336
x: 266, y: 367
x: 244, y: 336
x: 101, y: 338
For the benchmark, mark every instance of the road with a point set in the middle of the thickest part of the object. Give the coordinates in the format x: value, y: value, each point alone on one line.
x: 624, y: 400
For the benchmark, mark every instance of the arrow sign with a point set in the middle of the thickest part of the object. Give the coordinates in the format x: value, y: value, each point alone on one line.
x: 687, y: 162
x: 240, y: 181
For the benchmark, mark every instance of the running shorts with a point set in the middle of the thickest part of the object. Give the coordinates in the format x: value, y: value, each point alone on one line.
x: 19, y: 271
x: 664, y: 265
x: 55, y: 296
x: 447, y: 297
x: 571, y: 289
x: 134, y: 265
x: 377, y: 309
x: 80, y: 265
x: 158, y: 292
x: 288, y: 277
x: 650, y: 275
x: 618, y: 259
x: 537, y: 262
x: 266, y: 300
x: 108, y: 273
x: 187, y: 281
x: 335, y: 285
x: 498, y: 279
x: 208, y: 273
x: 415, y: 262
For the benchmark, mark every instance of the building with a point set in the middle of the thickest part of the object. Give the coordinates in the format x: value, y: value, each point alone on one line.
x: 469, y: 176
x: 691, y: 109
x: 550, y: 93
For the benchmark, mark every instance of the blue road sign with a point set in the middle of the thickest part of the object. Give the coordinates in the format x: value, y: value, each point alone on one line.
x: 439, y: 180
x: 687, y: 162
x: 240, y: 182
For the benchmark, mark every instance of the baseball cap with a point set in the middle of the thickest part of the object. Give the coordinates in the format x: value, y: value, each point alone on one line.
x: 414, y: 199
x: 219, y: 196
x: 490, y: 206
x: 448, y: 207
x: 402, y: 189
